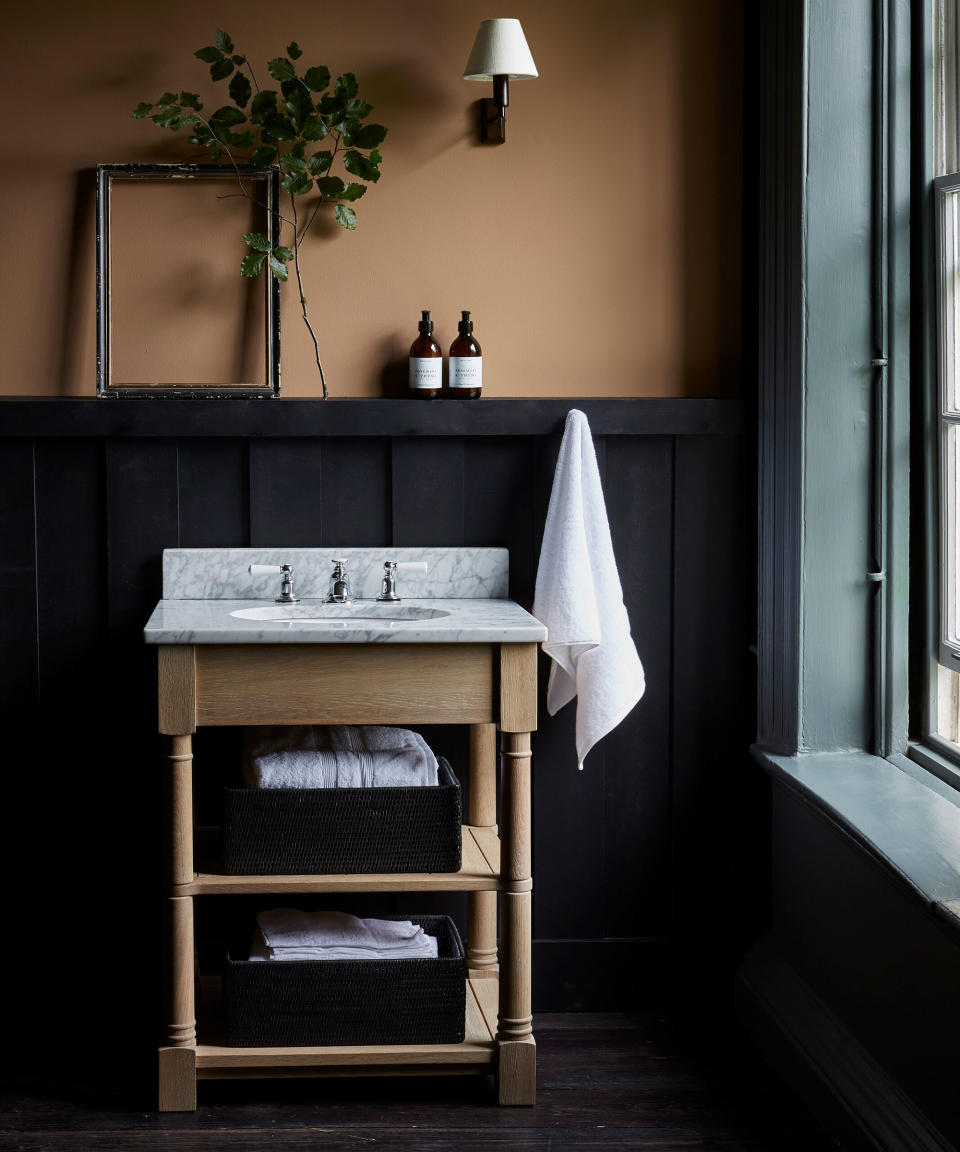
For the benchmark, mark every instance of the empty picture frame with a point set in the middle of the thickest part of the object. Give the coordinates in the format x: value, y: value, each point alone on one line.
x: 174, y: 315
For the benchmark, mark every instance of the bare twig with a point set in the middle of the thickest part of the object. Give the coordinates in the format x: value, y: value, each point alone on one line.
x: 303, y: 299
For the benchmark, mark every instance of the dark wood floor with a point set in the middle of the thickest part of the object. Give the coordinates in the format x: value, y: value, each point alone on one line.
x: 606, y: 1081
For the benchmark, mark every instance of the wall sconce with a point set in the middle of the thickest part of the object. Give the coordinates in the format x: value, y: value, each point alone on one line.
x: 500, y: 54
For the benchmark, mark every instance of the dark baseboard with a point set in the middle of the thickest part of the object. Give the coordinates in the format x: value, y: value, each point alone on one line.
x: 849, y: 1093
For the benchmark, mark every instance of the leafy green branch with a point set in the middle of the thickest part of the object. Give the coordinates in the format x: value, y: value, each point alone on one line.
x: 279, y: 128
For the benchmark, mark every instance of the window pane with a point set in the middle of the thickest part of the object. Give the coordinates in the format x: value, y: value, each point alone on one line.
x: 950, y: 536
x: 948, y: 704
x: 950, y: 300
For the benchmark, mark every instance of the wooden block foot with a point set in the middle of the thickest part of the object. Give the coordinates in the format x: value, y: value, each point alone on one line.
x: 178, y: 1080
x: 517, y: 1072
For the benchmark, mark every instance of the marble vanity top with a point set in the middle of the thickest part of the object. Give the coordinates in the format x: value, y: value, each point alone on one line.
x: 209, y: 598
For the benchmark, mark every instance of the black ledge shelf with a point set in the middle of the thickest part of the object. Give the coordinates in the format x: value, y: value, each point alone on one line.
x: 267, y: 418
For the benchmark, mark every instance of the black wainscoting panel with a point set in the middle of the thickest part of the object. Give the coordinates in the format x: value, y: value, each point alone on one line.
x: 499, y: 504
x: 711, y: 722
x: 143, y: 518
x: 427, y: 492
x: 356, y: 484
x: 286, y: 493
x: 18, y: 623
x: 637, y: 838
x: 214, y: 491
x: 66, y: 807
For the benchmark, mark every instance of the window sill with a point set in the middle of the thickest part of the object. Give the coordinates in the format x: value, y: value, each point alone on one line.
x: 903, y: 816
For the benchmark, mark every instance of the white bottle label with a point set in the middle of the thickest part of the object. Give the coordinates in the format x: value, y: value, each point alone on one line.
x: 426, y: 371
x: 466, y: 371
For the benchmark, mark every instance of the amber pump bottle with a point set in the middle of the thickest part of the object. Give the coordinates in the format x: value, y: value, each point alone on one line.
x: 466, y: 362
x: 426, y: 362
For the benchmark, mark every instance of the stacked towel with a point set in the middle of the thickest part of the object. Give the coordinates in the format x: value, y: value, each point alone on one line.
x: 288, y: 934
x: 342, y: 756
x: 580, y: 600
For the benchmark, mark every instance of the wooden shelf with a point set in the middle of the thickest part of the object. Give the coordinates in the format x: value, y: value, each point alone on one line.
x: 480, y: 872
x: 475, y: 1053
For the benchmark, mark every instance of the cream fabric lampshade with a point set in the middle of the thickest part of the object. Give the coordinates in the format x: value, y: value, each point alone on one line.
x: 500, y: 49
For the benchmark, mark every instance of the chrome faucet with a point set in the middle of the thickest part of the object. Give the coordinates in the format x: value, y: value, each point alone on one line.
x: 286, y: 580
x: 339, y: 584
x: 388, y: 585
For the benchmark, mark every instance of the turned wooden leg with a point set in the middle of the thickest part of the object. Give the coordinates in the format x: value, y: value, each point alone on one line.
x: 516, y: 1079
x: 180, y: 759
x: 182, y: 1032
x: 178, y: 1062
x: 482, y: 906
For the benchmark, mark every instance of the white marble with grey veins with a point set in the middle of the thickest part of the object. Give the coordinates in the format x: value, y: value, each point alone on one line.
x: 211, y: 598
x: 221, y: 573
x: 449, y: 621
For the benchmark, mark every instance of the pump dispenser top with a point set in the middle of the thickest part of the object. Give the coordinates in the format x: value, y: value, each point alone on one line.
x: 425, y: 327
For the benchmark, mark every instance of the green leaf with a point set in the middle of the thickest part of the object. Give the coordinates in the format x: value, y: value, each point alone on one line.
x: 332, y: 106
x: 298, y: 183
x: 252, y: 264
x: 359, y: 108
x: 316, y: 79
x: 345, y: 216
x: 167, y: 117
x: 320, y: 162
x: 299, y: 105
x: 313, y: 128
x: 240, y: 89
x: 257, y: 241
x: 209, y: 55
x: 347, y: 125
x: 221, y: 133
x: 358, y: 165
x: 242, y: 139
x: 167, y: 98
x: 280, y: 68
x: 190, y: 100
x: 282, y: 253
x: 278, y: 128
x: 221, y: 70
x: 228, y: 116
x: 330, y: 187
x: 224, y: 43
x: 277, y: 267
x: 292, y: 163
x: 264, y: 157
x: 264, y: 103
x: 293, y: 50
x: 353, y: 191
x: 369, y: 136
x: 298, y: 149
x: 238, y: 60
x: 375, y: 157
x: 141, y: 110
x: 346, y: 86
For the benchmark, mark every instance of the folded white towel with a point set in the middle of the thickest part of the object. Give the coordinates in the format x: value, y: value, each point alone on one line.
x: 289, y: 934
x: 580, y: 600
x: 339, y: 756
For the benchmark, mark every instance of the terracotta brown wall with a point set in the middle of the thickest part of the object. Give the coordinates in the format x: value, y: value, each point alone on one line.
x: 599, y: 249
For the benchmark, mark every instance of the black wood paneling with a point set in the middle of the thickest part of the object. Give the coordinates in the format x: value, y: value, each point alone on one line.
x: 637, y: 754
x: 618, y: 847
x: 286, y: 493
x: 270, y: 419
x: 428, y: 491
x: 356, y: 479
x: 214, y: 493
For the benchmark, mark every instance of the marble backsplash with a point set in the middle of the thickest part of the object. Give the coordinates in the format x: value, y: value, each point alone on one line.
x: 221, y: 573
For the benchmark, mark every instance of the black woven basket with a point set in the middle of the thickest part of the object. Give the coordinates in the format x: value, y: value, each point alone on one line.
x: 330, y: 1002
x: 298, y: 830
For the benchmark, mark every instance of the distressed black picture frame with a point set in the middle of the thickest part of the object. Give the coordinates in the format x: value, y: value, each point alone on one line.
x: 107, y: 176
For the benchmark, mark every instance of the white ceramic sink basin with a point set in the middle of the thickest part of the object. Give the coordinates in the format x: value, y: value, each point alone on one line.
x: 321, y: 613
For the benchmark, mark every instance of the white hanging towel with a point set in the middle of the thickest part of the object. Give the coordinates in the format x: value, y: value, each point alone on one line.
x: 580, y: 600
